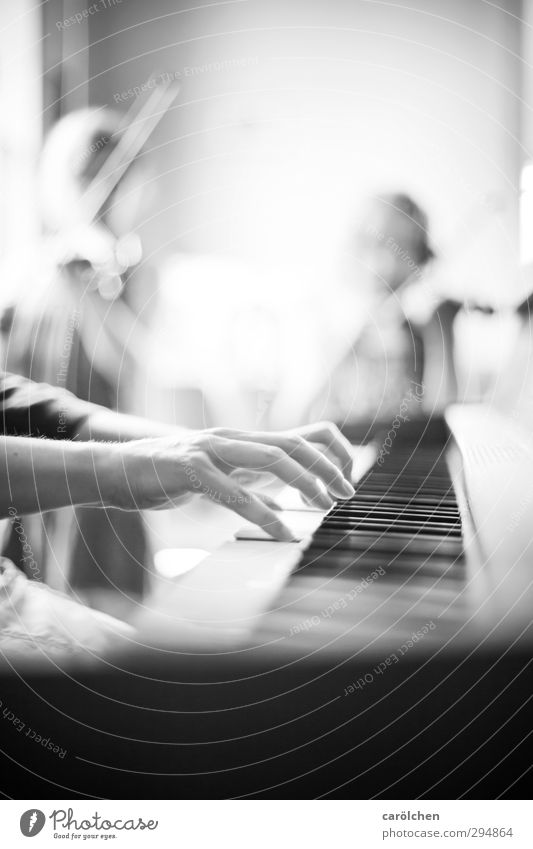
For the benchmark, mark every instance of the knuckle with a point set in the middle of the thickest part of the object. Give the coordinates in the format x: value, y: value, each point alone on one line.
x: 296, y: 442
x: 196, y: 440
x: 275, y: 453
x: 197, y: 458
x: 223, y: 432
x: 238, y: 495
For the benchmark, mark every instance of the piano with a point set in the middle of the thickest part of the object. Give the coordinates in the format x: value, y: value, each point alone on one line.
x: 439, y: 529
x: 386, y: 654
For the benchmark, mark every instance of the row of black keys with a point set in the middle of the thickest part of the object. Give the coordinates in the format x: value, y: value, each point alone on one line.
x: 404, y: 508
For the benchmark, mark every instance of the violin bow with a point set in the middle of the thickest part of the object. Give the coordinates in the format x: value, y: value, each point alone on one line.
x: 138, y: 129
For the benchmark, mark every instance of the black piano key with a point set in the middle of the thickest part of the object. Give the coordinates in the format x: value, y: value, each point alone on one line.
x: 406, y: 498
x: 396, y: 526
x: 403, y: 524
x: 356, y: 513
x: 361, y: 564
x: 390, y: 543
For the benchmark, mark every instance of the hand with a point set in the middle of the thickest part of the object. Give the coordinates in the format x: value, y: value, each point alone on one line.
x: 331, y: 442
x: 156, y: 473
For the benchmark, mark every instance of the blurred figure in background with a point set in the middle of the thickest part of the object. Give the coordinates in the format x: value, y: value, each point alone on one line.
x: 401, y: 356
x: 82, y: 326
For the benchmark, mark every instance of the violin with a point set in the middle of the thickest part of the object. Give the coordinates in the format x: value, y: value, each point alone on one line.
x: 98, y: 259
x: 89, y: 250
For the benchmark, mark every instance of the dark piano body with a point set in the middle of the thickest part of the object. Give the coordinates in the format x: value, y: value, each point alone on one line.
x: 364, y: 680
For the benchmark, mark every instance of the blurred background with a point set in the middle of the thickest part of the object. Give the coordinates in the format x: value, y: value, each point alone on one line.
x: 288, y: 116
x: 266, y: 207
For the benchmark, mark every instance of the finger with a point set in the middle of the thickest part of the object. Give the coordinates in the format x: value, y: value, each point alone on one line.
x: 308, y: 456
x: 271, y: 458
x: 266, y: 499
x: 223, y: 490
x: 253, y: 478
x: 330, y: 435
x: 315, y: 461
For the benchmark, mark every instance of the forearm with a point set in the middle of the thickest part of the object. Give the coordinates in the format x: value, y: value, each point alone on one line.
x: 34, y: 409
x: 44, y: 474
x: 105, y: 425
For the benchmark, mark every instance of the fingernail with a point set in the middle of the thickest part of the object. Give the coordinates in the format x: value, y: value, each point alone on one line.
x: 344, y: 489
x: 271, y: 503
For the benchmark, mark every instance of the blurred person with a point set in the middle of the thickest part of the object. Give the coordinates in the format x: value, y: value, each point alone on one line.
x: 401, y: 358
x: 57, y: 450
x: 82, y: 327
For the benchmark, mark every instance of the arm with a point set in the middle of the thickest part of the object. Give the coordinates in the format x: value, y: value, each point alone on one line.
x: 134, y: 474
x: 44, y: 474
x: 32, y: 409
x: 36, y: 409
x: 101, y: 424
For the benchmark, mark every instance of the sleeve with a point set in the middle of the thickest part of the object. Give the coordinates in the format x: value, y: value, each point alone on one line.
x: 36, y: 409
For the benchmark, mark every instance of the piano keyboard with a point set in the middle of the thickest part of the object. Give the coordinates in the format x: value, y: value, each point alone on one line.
x: 406, y: 508
x: 299, y: 698
x: 388, y: 561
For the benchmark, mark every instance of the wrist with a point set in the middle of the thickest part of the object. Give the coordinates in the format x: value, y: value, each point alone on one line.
x: 92, y: 473
x: 121, y: 472
x: 47, y: 474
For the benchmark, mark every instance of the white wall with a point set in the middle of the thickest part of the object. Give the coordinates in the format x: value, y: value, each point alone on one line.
x: 333, y: 98
x: 290, y: 113
x: 20, y: 136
